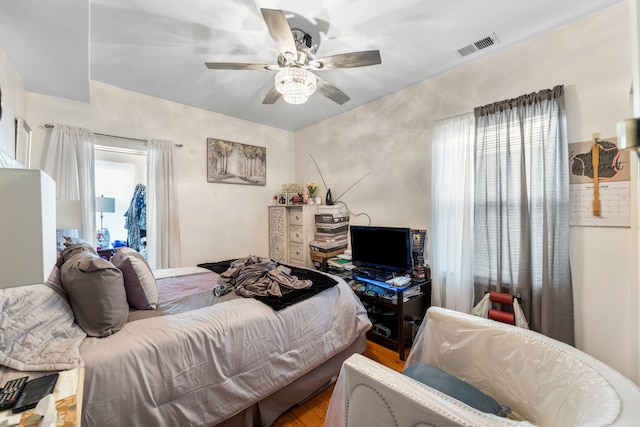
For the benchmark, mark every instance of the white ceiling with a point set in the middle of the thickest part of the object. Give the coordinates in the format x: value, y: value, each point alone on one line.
x: 159, y: 47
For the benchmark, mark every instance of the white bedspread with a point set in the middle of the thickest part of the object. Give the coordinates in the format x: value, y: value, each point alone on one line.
x: 37, y: 330
x: 203, y: 366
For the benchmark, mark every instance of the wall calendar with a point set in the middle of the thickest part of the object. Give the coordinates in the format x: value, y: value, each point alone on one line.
x: 599, y: 161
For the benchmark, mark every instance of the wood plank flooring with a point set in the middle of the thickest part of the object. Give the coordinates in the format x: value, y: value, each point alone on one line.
x: 312, y: 412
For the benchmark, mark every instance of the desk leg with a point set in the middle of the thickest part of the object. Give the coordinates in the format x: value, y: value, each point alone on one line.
x: 400, y: 302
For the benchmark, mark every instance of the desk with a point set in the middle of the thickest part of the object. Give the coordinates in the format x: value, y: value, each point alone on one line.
x: 397, y: 316
x: 68, y: 395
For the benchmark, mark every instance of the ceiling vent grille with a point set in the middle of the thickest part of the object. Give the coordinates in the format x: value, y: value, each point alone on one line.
x: 480, y: 44
x: 467, y: 50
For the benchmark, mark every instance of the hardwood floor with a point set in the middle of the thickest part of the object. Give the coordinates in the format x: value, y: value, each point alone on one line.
x: 312, y: 412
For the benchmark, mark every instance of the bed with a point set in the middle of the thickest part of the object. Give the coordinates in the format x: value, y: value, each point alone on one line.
x: 202, y: 360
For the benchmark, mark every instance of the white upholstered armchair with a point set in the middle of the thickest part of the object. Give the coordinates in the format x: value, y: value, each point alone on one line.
x: 544, y: 382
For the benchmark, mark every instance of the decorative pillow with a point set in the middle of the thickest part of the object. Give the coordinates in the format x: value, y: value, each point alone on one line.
x: 59, y: 258
x: 76, y: 241
x: 55, y: 281
x: 96, y: 292
x: 142, y: 291
x: 456, y: 388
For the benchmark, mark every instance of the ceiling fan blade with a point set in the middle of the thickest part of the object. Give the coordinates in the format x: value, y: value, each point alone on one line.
x: 238, y: 66
x: 272, y: 96
x: 280, y: 30
x: 347, y: 60
x: 331, y: 92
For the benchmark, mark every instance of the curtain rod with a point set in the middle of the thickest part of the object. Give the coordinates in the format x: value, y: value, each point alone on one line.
x: 48, y: 126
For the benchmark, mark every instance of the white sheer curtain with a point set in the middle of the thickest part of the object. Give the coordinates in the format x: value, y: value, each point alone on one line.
x: 69, y: 159
x: 452, y: 183
x: 163, y: 224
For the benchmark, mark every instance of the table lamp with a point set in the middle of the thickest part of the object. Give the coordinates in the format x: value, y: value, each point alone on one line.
x: 108, y: 205
x: 68, y: 217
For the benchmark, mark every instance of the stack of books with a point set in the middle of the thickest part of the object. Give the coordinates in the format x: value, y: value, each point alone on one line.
x: 330, y: 239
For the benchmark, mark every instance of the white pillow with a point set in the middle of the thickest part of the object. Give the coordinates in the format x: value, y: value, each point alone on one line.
x: 142, y: 291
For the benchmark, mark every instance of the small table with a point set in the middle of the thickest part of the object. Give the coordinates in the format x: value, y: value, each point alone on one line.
x: 398, y: 314
x: 68, y: 394
x: 105, y: 253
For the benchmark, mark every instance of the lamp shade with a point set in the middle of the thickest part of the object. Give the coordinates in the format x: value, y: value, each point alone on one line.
x: 28, y: 227
x: 105, y: 204
x: 629, y: 134
x: 295, y: 84
x: 68, y: 214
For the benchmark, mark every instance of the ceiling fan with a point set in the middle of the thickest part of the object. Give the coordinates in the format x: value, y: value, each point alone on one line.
x: 294, y: 81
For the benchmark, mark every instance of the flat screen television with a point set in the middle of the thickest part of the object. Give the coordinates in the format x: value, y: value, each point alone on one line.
x: 386, y: 249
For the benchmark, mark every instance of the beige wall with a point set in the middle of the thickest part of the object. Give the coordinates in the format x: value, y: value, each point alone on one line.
x: 217, y: 221
x: 13, y: 103
x: 391, y: 139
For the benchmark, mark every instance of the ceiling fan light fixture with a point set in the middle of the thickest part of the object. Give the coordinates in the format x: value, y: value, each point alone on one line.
x: 296, y: 84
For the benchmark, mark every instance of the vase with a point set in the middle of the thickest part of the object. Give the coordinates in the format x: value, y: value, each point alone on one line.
x: 317, y: 200
x: 328, y: 200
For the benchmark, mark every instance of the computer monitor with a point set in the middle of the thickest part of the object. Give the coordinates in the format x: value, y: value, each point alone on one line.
x: 381, y: 248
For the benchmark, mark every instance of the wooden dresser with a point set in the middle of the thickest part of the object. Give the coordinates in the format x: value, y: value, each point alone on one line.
x: 291, y: 228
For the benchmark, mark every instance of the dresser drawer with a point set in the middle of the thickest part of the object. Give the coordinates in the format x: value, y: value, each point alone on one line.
x: 295, y: 234
x: 291, y: 229
x: 296, y: 253
x: 295, y: 216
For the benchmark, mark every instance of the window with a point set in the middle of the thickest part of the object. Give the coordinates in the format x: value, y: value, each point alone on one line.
x: 510, y: 162
x: 520, y: 209
x: 117, y: 172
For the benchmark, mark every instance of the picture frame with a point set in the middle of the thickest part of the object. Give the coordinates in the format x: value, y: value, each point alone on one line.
x: 292, y: 188
x: 236, y: 163
x: 294, y: 199
x: 281, y: 199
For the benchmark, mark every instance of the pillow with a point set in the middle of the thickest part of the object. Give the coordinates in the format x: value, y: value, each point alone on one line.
x: 77, y: 242
x: 59, y: 258
x: 96, y: 292
x: 142, y: 291
x: 456, y: 388
x: 55, y: 281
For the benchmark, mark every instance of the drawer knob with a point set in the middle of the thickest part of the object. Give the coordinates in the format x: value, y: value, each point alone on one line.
x: 297, y: 234
x: 297, y: 216
x: 298, y: 252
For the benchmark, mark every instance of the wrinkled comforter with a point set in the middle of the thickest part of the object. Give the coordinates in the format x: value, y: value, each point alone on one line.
x: 37, y: 330
x: 204, y: 363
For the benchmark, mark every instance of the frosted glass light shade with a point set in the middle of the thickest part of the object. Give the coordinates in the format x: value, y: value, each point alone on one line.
x: 28, y: 227
x: 295, y: 84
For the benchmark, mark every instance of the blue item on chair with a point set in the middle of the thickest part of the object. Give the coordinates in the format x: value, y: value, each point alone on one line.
x: 456, y: 388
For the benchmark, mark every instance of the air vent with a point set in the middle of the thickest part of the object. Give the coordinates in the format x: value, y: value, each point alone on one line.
x: 480, y: 44
x: 467, y: 50
x: 485, y: 42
